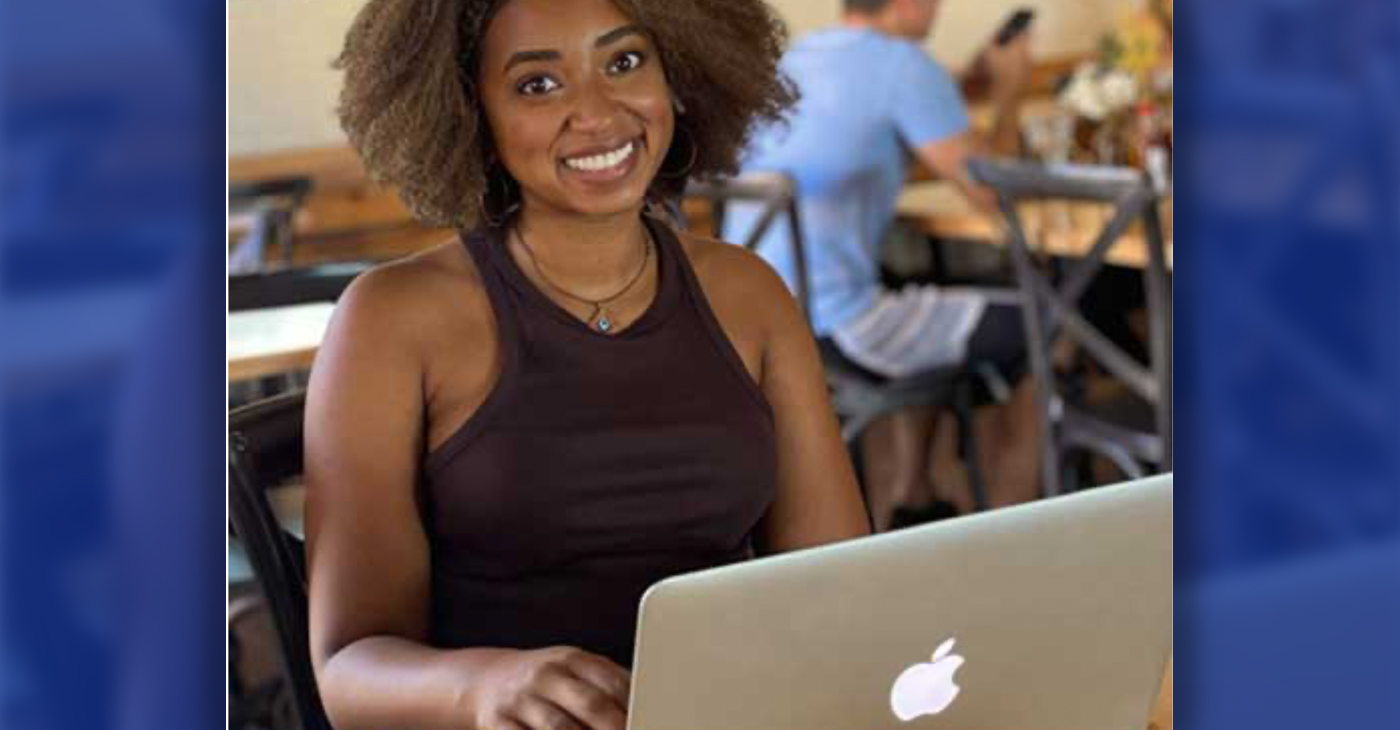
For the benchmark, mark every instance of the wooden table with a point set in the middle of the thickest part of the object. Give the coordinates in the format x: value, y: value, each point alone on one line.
x: 1058, y: 228
x: 346, y: 217
x: 275, y: 340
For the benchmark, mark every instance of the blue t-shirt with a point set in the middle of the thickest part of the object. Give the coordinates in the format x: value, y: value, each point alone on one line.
x: 868, y: 99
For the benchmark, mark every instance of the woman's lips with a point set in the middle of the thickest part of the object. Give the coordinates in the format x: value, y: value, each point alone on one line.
x: 605, y: 166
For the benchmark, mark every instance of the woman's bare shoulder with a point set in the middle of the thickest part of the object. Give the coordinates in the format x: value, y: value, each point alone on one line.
x: 728, y: 271
x: 416, y: 298
x: 749, y: 299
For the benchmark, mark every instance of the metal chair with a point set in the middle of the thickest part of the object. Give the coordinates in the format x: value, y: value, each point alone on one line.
x: 859, y: 397
x: 265, y: 451
x: 778, y: 195
x: 1051, y: 314
x: 253, y: 703
x: 272, y: 205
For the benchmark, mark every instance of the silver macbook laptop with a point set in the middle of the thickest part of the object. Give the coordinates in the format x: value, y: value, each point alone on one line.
x: 1051, y: 616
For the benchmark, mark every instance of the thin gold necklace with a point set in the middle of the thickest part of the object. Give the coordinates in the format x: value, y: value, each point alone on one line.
x: 599, y: 319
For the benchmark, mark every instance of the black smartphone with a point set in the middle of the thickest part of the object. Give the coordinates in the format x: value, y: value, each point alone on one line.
x: 1015, y: 25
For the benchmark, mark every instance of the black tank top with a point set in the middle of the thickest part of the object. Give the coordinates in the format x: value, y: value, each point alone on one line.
x: 598, y: 465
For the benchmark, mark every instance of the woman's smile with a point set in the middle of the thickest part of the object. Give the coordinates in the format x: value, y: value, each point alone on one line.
x: 604, y: 163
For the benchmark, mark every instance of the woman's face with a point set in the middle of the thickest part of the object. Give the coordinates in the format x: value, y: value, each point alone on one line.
x: 577, y: 102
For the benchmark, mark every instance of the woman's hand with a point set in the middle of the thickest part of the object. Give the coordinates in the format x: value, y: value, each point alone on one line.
x: 560, y: 688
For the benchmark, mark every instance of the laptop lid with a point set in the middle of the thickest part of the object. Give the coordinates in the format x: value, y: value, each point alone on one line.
x: 1055, y: 615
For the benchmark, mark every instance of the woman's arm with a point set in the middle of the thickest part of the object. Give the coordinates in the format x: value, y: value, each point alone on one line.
x: 367, y: 555
x: 818, y: 498
x: 367, y: 552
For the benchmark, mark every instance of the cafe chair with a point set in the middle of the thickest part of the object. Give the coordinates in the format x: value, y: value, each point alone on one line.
x: 257, y: 702
x: 265, y: 453
x: 1136, y: 436
x: 776, y: 196
x: 269, y: 207
x: 859, y: 397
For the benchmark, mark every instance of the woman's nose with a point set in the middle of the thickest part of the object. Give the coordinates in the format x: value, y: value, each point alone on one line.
x: 595, y: 111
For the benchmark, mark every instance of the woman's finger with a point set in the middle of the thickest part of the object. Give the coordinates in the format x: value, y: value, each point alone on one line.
x: 538, y: 713
x: 604, y: 674
x: 594, y: 708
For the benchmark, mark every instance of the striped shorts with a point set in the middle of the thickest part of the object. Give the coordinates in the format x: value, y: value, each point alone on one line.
x: 917, y: 328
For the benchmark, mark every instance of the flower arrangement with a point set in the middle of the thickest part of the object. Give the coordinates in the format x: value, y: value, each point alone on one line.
x: 1122, y: 98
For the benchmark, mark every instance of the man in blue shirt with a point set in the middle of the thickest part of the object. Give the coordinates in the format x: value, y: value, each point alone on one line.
x: 871, y: 99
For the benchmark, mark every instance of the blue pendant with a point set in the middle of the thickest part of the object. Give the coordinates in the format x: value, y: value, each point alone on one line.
x: 604, y: 324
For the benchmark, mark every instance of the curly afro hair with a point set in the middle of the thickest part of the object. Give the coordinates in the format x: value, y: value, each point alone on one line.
x: 409, y: 106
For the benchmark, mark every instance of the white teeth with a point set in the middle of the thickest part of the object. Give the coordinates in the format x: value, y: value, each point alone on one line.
x: 598, y: 163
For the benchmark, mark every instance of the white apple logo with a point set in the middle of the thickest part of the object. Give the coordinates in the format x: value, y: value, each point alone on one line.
x: 927, y: 689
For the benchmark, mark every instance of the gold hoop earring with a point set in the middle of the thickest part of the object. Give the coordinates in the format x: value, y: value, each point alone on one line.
x: 690, y: 165
x: 488, y: 201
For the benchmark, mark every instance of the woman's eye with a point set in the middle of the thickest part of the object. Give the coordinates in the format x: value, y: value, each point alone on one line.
x: 627, y: 61
x: 537, y: 85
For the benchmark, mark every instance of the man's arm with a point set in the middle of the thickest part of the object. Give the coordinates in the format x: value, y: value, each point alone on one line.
x: 948, y: 158
x: 1009, y: 70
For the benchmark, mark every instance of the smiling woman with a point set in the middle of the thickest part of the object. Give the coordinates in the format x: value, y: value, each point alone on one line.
x: 584, y: 122
x: 511, y: 436
x: 412, y: 103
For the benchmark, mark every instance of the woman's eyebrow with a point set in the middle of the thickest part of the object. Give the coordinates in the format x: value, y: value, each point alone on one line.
x: 605, y: 39
x: 616, y: 35
x: 520, y: 57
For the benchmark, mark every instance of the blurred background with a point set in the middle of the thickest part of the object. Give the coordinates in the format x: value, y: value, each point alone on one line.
x: 283, y: 96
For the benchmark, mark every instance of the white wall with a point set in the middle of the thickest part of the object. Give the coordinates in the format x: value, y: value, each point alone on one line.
x: 282, y: 89
x: 1062, y: 27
